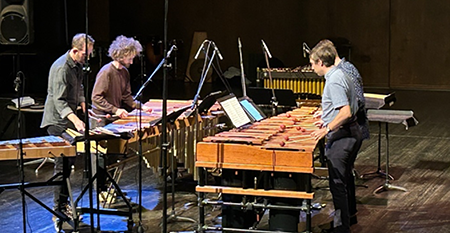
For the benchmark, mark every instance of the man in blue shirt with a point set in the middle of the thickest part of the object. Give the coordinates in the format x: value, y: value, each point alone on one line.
x: 343, y: 135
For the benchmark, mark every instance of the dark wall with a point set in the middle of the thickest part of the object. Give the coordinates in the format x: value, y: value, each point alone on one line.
x: 394, y: 44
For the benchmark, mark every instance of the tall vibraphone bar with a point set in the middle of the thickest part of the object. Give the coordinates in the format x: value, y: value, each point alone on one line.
x: 272, y: 159
x: 299, y: 80
x: 181, y: 133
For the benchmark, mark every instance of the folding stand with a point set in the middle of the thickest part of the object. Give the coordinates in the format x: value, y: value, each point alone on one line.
x: 50, y: 182
x: 99, y: 211
x: 389, y: 116
x: 379, y: 172
x: 387, y: 186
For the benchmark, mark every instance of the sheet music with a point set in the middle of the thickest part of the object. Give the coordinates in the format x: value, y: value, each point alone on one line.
x: 235, y: 112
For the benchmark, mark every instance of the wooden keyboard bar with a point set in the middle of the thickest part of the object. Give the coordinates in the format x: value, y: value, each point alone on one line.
x: 35, y: 151
x: 255, y: 192
x: 226, y: 155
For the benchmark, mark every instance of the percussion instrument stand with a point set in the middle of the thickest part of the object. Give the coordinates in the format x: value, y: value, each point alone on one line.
x: 379, y: 172
x: 117, y: 189
x: 173, y: 216
x: 387, y: 186
x: 50, y: 182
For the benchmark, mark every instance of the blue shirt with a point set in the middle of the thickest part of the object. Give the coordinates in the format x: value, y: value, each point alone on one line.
x: 350, y: 70
x: 339, y: 91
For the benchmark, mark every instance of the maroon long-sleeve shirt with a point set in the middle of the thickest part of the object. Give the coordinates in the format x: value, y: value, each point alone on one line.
x: 112, y: 90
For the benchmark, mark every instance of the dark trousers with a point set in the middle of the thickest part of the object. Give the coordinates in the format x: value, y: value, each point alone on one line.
x: 341, y: 151
x: 60, y: 193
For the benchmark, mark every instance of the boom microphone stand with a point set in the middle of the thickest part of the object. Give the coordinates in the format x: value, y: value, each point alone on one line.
x: 201, y: 173
x: 164, y: 144
x: 139, y: 97
x: 267, y: 55
x: 20, y: 89
x: 87, y: 144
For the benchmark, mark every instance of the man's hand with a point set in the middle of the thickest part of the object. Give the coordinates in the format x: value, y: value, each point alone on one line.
x: 318, y: 114
x: 319, y: 123
x: 122, y: 113
x: 319, y: 134
x: 83, y: 106
x: 79, y: 124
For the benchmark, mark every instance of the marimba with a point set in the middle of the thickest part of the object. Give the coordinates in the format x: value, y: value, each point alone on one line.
x: 181, y: 133
x: 280, y: 149
x: 36, y: 148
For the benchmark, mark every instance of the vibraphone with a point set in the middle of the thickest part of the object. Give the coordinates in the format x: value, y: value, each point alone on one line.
x: 272, y: 159
x: 181, y: 133
x: 299, y: 80
x: 36, y: 148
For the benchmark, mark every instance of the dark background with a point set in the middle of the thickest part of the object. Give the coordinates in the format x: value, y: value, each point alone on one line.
x: 396, y: 44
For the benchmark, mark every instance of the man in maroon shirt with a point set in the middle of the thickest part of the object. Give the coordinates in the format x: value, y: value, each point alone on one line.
x: 111, y: 95
x: 112, y: 91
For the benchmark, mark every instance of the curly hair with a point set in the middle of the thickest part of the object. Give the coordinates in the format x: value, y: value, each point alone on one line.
x: 123, y: 46
x: 324, y: 51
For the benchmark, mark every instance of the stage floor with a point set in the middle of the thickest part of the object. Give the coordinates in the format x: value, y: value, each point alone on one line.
x: 419, y: 162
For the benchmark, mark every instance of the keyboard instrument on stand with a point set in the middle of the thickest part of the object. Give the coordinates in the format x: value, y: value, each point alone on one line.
x: 180, y: 131
x: 36, y: 148
x: 301, y: 80
x: 267, y: 165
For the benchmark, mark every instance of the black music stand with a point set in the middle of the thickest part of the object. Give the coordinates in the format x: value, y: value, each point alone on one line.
x: 171, y: 118
x: 388, y: 116
x: 206, y: 103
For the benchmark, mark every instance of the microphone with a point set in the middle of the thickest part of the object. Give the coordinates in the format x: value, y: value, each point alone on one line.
x: 200, y: 49
x: 266, y: 49
x: 17, y: 83
x: 305, y: 49
x: 217, y: 50
x: 174, y: 47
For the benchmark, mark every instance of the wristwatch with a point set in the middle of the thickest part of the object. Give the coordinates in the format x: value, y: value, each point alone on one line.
x: 328, y: 129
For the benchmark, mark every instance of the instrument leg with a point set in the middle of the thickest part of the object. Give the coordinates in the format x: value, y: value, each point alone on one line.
x: 378, y: 172
x: 387, y: 186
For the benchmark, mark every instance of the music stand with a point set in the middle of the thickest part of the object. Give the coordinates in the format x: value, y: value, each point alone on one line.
x: 171, y: 118
x: 263, y: 96
x: 234, y: 110
x: 404, y: 117
x: 206, y: 103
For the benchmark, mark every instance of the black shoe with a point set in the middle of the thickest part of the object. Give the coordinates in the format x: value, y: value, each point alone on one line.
x: 353, y: 220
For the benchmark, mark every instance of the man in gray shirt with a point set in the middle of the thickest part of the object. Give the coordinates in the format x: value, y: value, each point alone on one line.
x: 64, y: 94
x: 343, y: 135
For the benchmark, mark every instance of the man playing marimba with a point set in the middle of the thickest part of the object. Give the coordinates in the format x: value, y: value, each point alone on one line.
x: 111, y: 95
x: 64, y: 94
x: 339, y: 105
